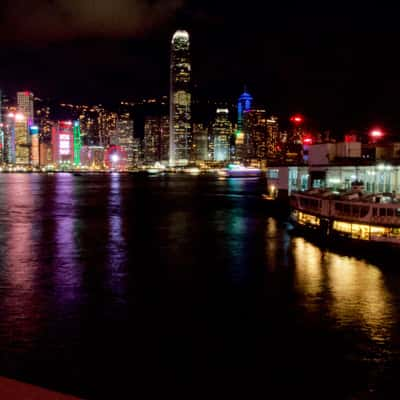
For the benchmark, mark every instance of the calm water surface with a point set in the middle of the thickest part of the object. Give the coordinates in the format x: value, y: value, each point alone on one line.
x: 127, y: 287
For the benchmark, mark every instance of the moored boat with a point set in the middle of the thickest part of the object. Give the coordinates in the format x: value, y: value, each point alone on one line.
x: 353, y: 215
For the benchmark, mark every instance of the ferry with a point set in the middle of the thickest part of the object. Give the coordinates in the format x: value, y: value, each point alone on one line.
x: 353, y: 215
x: 239, y: 171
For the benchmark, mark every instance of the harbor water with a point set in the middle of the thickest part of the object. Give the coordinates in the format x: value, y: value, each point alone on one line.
x: 125, y: 286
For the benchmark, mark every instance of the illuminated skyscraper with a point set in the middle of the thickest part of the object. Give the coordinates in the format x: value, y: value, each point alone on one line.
x: 273, y: 145
x: 43, y: 121
x: 9, y: 138
x: 240, y: 148
x: 77, y: 143
x: 180, y: 145
x: 22, y: 150
x: 125, y: 134
x: 156, y: 139
x: 62, y: 139
x: 244, y: 104
x: 34, y: 131
x: 24, y: 119
x: 221, y: 133
x: 255, y: 128
x: 25, y: 102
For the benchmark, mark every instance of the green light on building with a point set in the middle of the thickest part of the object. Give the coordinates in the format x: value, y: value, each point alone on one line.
x: 77, y: 144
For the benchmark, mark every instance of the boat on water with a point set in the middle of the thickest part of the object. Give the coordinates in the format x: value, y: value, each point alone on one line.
x: 353, y: 215
x: 239, y: 171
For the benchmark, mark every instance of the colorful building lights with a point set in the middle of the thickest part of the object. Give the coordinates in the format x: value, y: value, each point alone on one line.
x: 77, y: 143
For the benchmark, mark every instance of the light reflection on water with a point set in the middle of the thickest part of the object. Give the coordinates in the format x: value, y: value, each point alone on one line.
x: 170, y: 269
x: 20, y: 265
x: 67, y: 269
x: 345, y: 288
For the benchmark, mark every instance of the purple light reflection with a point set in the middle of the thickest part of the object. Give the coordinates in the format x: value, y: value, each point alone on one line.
x: 67, y: 269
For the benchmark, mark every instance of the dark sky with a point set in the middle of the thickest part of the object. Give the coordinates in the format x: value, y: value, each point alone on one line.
x: 338, y: 63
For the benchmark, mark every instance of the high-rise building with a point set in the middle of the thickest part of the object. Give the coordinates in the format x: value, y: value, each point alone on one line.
x: 255, y: 133
x: 77, y: 143
x: 273, y: 145
x: 25, y: 101
x: 107, y: 124
x: 125, y: 134
x: 45, y: 154
x: 240, y: 143
x: 137, y: 152
x: 22, y: 151
x: 164, y: 136
x: 43, y: 121
x: 294, y: 142
x: 156, y: 139
x: 9, y: 138
x: 244, y: 104
x: 180, y: 149
x: 221, y: 133
x: 35, y: 159
x: 200, y: 142
x: 62, y: 139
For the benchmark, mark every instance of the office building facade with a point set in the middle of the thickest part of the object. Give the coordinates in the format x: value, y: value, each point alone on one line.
x: 181, y: 143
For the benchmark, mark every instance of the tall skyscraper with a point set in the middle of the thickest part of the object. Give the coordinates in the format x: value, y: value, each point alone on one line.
x: 156, y: 139
x: 22, y: 151
x: 240, y: 146
x: 221, y: 133
x: 244, y: 104
x: 125, y: 134
x: 25, y: 102
x: 180, y: 145
x: 9, y: 138
x: 272, y: 138
x: 43, y: 121
x: 255, y: 133
x: 77, y: 143
x: 34, y: 131
x: 22, y: 133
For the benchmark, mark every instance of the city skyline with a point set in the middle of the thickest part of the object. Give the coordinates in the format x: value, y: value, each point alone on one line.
x: 303, y: 60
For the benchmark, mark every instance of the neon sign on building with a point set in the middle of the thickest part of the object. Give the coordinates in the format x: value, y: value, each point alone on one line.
x: 64, y: 143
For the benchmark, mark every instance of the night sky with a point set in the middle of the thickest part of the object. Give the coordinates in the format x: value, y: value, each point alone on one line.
x: 338, y: 63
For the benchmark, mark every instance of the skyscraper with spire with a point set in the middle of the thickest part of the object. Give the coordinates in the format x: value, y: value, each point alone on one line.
x: 241, y: 142
x: 181, y: 141
x: 244, y: 104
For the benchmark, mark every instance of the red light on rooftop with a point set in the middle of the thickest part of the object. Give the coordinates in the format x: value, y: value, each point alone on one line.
x: 376, y: 134
x: 297, y: 119
x: 350, y: 138
x: 308, y: 140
